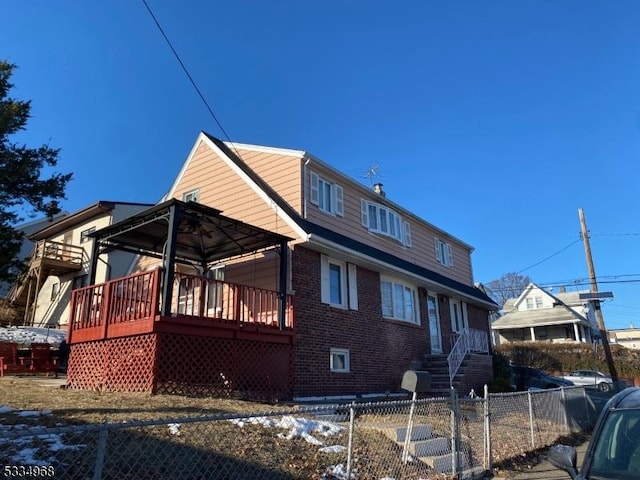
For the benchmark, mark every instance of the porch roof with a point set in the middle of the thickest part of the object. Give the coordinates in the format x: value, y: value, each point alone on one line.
x: 537, y: 318
x: 204, y: 236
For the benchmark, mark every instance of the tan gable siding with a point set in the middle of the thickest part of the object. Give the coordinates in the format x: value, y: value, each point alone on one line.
x: 281, y: 172
x: 222, y: 188
x: 422, y: 251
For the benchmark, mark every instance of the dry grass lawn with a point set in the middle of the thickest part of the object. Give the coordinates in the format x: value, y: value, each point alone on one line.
x: 217, y: 449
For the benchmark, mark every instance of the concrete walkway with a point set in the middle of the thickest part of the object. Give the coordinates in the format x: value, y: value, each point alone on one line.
x: 546, y: 471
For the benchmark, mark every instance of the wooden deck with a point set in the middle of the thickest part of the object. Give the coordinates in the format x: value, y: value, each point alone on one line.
x: 199, y: 306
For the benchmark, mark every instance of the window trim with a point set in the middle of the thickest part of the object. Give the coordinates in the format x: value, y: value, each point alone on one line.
x: 348, y: 283
x: 374, y: 215
x: 335, y: 204
x: 195, y: 192
x: 394, y: 282
x: 347, y: 360
x: 444, y: 252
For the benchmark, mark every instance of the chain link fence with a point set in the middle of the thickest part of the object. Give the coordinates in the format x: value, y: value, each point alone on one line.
x: 435, y: 438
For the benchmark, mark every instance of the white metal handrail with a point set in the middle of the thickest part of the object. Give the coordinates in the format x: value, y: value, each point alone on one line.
x: 469, y: 340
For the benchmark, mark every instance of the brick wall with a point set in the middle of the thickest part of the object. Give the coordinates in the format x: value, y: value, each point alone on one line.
x: 380, y: 350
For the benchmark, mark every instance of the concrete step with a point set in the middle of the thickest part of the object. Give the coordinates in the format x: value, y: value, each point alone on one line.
x: 444, y: 463
x: 418, y: 432
x: 432, y: 447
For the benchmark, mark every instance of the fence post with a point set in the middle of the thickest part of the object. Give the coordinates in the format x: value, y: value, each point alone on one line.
x: 352, y: 421
x: 454, y: 433
x: 102, y: 447
x: 564, y: 409
x: 533, y: 438
x: 487, y: 432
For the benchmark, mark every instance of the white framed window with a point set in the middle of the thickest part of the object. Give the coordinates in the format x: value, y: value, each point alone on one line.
x: 328, y: 196
x: 338, y: 283
x: 382, y: 220
x: 533, y: 302
x: 339, y: 360
x: 444, y: 253
x: 399, y: 301
x: 84, y: 234
x: 191, y: 195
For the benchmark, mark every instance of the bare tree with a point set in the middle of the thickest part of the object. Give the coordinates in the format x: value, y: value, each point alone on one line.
x: 509, y: 285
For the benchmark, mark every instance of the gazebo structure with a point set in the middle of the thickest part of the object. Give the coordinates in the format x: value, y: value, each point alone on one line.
x: 164, y: 330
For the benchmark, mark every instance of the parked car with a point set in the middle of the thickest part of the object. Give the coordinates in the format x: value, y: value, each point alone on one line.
x: 593, y: 378
x: 614, y: 450
x: 525, y: 378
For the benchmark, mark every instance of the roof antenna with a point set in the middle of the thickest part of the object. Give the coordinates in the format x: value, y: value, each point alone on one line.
x: 372, y: 172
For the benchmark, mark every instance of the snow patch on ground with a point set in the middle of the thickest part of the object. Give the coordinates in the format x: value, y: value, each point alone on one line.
x: 29, y: 335
x: 24, y: 452
x: 297, y: 427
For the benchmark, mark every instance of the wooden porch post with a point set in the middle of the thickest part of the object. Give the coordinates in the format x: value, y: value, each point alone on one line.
x: 169, y: 260
x: 284, y: 268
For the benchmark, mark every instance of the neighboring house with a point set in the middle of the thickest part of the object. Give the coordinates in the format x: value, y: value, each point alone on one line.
x: 59, y: 261
x: 27, y: 245
x: 539, y: 315
x: 375, y: 290
x: 626, y: 337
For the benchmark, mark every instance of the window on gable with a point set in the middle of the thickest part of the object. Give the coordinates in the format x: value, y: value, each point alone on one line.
x: 328, y: 196
x: 338, y: 283
x: 191, y: 195
x: 382, y: 220
x: 84, y: 235
x: 399, y: 301
x: 444, y: 253
x: 533, y: 302
x: 339, y: 360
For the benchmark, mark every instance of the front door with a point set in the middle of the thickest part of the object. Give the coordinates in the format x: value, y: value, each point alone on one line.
x: 434, y: 324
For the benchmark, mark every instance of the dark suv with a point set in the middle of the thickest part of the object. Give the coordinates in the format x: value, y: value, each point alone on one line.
x: 525, y: 378
x: 614, y: 449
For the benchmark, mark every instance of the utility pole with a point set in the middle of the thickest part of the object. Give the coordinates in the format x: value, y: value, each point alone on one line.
x: 596, y: 303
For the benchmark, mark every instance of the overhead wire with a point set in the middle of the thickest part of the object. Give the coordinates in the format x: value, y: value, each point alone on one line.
x: 550, y: 256
x: 186, y: 71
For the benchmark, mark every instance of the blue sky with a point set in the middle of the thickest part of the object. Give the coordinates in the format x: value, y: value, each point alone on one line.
x: 494, y: 120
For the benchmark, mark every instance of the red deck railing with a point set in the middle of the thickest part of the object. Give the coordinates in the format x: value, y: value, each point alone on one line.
x: 132, y: 304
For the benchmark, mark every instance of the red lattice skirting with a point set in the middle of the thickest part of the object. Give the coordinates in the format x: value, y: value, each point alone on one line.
x: 184, y: 365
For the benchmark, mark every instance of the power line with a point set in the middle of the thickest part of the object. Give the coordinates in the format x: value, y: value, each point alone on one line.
x: 615, y: 234
x: 184, y: 68
x: 551, y: 256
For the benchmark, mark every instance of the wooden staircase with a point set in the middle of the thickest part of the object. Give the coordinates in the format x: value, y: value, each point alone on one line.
x: 48, y: 258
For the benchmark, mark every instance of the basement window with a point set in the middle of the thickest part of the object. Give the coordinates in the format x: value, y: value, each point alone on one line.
x: 339, y: 360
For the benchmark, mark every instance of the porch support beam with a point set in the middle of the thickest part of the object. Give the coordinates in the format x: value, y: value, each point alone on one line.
x: 576, y: 332
x: 282, y: 293
x: 95, y: 252
x: 533, y: 333
x: 169, y: 260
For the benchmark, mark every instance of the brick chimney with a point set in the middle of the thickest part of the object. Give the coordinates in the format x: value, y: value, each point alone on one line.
x: 378, y: 189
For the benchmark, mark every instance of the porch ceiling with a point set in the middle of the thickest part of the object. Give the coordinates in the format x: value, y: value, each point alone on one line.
x: 204, y: 236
